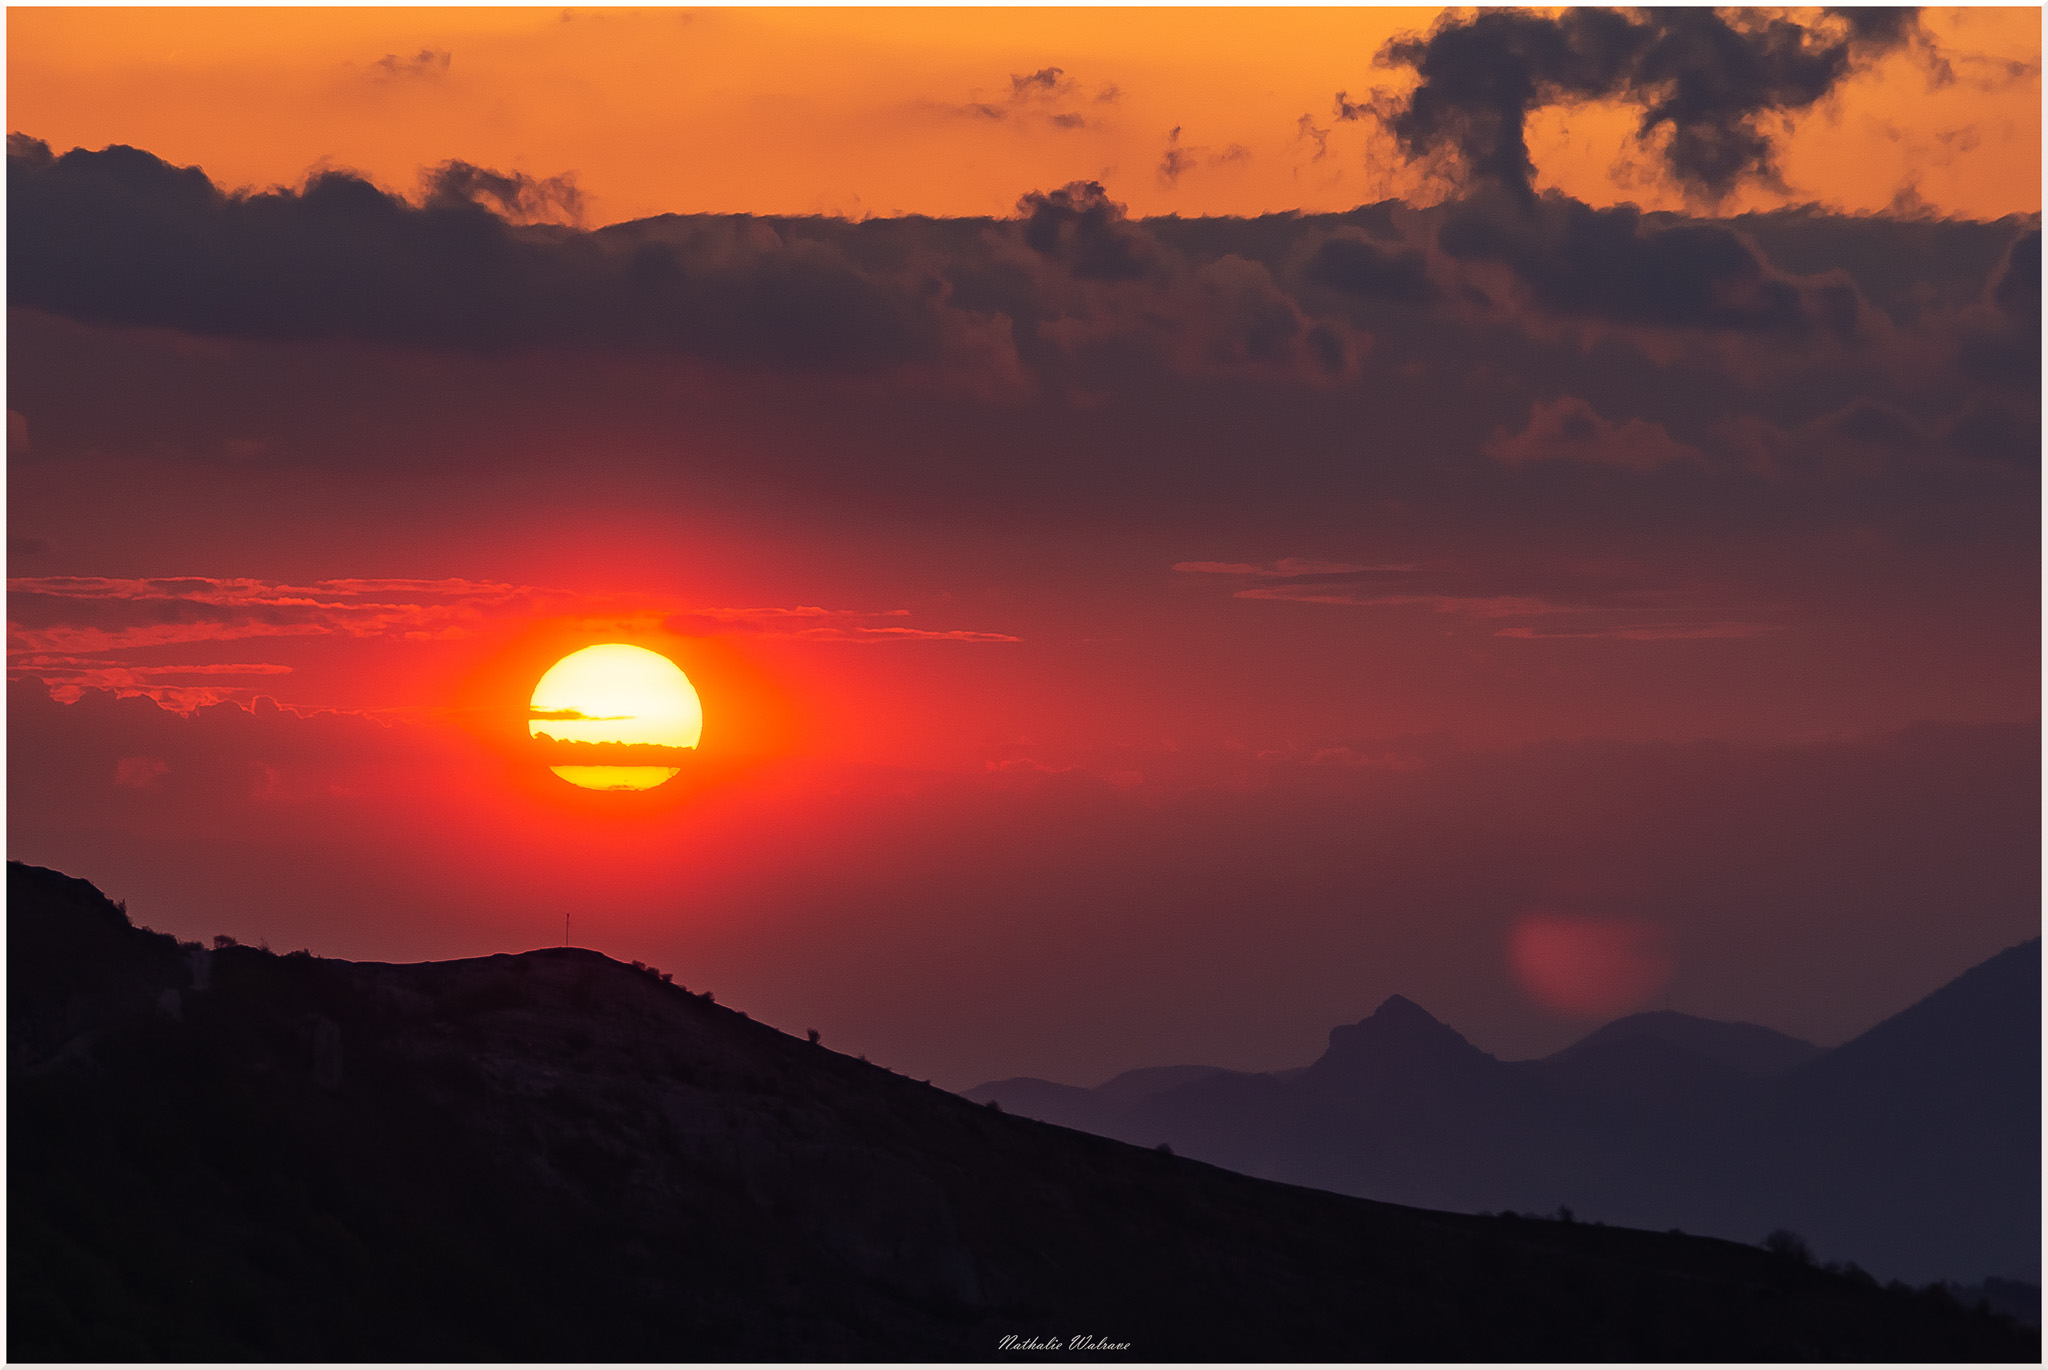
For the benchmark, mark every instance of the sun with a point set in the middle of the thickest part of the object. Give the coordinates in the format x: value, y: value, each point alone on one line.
x: 615, y: 717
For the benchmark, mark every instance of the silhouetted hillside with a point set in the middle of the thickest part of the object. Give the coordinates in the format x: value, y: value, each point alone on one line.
x: 228, y: 1154
x: 1913, y: 1151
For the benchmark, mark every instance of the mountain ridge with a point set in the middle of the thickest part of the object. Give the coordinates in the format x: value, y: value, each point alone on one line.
x: 226, y: 1154
x: 1748, y: 1048
x: 1912, y: 1149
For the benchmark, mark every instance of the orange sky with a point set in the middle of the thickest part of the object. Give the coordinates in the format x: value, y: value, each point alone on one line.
x: 914, y: 111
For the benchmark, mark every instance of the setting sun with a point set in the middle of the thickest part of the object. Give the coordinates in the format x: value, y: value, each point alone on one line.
x: 608, y: 711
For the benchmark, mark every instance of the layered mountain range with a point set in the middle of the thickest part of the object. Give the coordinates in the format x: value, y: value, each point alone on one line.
x: 1913, y: 1151
x: 224, y: 1154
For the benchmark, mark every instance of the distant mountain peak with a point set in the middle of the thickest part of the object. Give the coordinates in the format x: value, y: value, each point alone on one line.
x: 1400, y: 1034
x: 1745, y: 1048
x: 1398, y: 1006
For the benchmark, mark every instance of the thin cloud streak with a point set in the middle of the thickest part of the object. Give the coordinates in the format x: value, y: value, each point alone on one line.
x: 1653, y: 632
x: 78, y: 632
x: 1672, y: 615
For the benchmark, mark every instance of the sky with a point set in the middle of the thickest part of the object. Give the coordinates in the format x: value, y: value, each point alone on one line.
x: 1183, y: 523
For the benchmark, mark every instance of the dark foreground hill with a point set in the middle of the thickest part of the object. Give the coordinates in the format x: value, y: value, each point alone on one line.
x: 1914, y: 1150
x: 233, y: 1155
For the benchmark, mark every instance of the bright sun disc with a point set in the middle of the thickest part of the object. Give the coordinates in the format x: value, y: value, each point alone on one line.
x: 616, y: 694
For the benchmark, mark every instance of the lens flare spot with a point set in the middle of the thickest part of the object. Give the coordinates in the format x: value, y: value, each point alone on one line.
x: 1588, y: 967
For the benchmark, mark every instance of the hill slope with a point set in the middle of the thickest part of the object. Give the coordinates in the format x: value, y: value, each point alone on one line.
x: 233, y: 1155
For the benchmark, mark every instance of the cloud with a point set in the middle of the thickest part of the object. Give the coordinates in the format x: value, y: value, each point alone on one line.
x: 1568, y: 429
x: 1040, y: 84
x: 1651, y: 632
x: 2003, y: 346
x: 1873, y: 424
x: 1591, y: 604
x: 1245, y: 319
x: 1998, y: 347
x: 76, y: 633
x: 118, y: 236
x: 1177, y: 160
x: 1218, y: 568
x: 1306, y: 130
x: 93, y: 614
x: 511, y: 195
x: 140, y: 772
x: 1086, y: 232
x: 866, y: 634
x: 1297, y: 580
x: 1471, y: 606
x: 1618, y: 266
x: 1071, y: 301
x: 1299, y: 569
x: 426, y: 64
x: 1357, y: 266
x: 2017, y: 291
x: 1867, y: 438
x: 812, y: 624
x: 1976, y: 70
x: 67, y: 681
x: 1048, y: 95
x: 98, y: 613
x: 1710, y: 84
x: 1993, y: 429
x: 1124, y: 300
